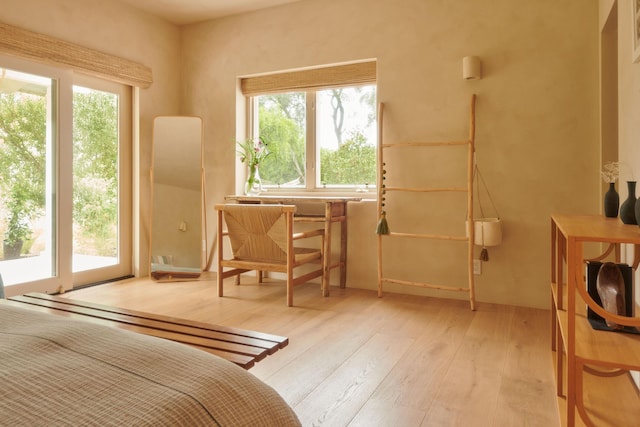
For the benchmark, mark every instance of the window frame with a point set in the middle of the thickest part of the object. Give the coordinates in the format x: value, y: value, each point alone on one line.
x: 308, y: 80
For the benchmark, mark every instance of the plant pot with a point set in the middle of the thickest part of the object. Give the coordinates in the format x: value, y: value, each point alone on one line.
x: 12, y: 250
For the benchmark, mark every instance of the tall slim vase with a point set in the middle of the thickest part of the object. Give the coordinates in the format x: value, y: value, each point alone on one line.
x: 628, y: 207
x: 611, y: 201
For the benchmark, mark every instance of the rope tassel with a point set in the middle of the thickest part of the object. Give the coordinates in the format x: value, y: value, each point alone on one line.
x: 383, y: 227
x: 484, y: 254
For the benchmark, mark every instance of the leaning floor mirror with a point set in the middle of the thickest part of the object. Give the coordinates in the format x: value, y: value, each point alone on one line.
x: 177, y: 199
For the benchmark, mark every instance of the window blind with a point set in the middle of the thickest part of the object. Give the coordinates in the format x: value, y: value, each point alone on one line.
x: 26, y: 44
x: 317, y: 78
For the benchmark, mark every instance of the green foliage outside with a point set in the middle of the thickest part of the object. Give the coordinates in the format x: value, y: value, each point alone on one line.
x: 353, y: 162
x: 282, y: 126
x: 95, y: 163
x: 284, y: 135
x: 23, y: 119
x: 22, y: 162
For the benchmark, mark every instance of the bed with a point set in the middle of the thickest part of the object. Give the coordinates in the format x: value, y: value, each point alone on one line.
x: 58, y: 371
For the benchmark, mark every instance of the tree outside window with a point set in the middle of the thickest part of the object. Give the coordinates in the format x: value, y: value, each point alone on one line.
x: 343, y: 145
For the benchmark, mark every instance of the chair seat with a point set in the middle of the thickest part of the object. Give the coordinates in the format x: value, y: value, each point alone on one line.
x: 301, y: 256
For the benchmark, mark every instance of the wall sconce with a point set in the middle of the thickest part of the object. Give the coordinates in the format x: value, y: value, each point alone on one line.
x: 471, y: 68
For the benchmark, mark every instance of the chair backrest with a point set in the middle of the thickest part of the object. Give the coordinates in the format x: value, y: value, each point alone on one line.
x: 258, y: 232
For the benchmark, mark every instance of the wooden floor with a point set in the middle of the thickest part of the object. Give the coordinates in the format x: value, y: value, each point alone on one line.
x: 358, y: 360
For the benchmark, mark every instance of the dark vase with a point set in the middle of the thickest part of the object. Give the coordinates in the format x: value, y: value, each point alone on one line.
x: 612, y: 202
x: 628, y: 207
x: 638, y: 211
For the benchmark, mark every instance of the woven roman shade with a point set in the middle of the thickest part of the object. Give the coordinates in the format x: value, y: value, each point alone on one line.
x: 317, y: 78
x: 26, y: 44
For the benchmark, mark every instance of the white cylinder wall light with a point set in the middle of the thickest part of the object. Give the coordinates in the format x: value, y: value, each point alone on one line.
x: 471, y: 68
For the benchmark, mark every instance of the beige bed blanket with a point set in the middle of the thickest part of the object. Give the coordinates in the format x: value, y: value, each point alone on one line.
x: 56, y: 371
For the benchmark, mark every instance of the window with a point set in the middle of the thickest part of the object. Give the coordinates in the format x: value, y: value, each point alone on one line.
x: 319, y: 126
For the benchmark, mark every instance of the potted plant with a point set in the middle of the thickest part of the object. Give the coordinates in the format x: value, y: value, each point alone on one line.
x: 17, y: 231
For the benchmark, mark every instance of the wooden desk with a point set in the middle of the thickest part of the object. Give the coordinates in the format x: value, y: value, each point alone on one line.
x: 240, y: 346
x: 335, y: 210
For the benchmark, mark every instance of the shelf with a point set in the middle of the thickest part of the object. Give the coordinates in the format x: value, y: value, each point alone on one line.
x: 599, y: 347
x: 608, y: 402
x: 595, y: 228
x: 600, y: 382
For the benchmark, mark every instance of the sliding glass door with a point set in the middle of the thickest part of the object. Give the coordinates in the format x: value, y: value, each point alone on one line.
x: 101, y: 181
x: 65, y: 178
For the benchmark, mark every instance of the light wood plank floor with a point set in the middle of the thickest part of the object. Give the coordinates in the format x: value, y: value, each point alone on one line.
x: 358, y: 360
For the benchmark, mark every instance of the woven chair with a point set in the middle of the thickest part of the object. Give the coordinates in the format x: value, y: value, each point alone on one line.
x: 262, y: 238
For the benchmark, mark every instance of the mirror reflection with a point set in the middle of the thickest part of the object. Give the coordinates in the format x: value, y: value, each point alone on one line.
x: 177, y: 198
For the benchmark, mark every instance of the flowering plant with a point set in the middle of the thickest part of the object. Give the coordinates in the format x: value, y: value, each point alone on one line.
x: 253, y: 152
x: 610, y: 172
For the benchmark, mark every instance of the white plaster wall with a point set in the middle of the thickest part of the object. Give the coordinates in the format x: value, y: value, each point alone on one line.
x: 126, y: 32
x: 537, y: 110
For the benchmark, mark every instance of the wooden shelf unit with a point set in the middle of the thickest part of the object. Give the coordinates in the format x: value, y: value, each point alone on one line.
x: 595, y: 361
x: 383, y: 189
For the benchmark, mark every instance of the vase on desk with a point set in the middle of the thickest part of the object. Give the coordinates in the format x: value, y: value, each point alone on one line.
x: 611, y: 201
x: 253, y: 186
x: 628, y: 207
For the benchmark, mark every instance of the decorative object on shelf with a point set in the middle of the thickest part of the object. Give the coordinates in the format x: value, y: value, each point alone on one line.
x: 253, y: 153
x: 637, y: 211
x: 611, y: 201
x: 628, y: 207
x: 594, y: 272
x: 611, y: 289
x: 610, y: 172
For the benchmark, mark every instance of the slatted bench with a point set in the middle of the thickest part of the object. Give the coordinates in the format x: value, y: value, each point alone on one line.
x: 240, y: 346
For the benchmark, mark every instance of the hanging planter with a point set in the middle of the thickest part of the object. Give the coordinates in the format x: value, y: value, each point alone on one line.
x: 487, y: 231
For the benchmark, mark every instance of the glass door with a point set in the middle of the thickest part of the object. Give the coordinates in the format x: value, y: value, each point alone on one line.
x: 28, y: 117
x: 101, y: 181
x: 65, y: 178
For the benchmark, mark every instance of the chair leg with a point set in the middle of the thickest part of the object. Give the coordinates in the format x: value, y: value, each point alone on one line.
x: 219, y: 282
x: 289, y: 289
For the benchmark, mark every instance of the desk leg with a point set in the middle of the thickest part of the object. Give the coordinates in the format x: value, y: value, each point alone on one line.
x: 343, y: 249
x: 327, y: 250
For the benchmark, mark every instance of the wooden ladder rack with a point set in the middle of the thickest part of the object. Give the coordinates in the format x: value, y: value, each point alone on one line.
x: 383, y: 189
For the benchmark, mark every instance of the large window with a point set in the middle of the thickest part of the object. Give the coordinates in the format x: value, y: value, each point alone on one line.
x: 319, y: 126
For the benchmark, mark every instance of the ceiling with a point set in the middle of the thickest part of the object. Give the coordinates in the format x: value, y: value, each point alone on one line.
x: 182, y: 12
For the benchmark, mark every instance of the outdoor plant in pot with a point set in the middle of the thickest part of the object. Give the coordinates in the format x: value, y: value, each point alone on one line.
x: 17, y: 225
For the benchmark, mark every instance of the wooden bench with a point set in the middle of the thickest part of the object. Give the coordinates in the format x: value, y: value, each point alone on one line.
x: 240, y: 346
